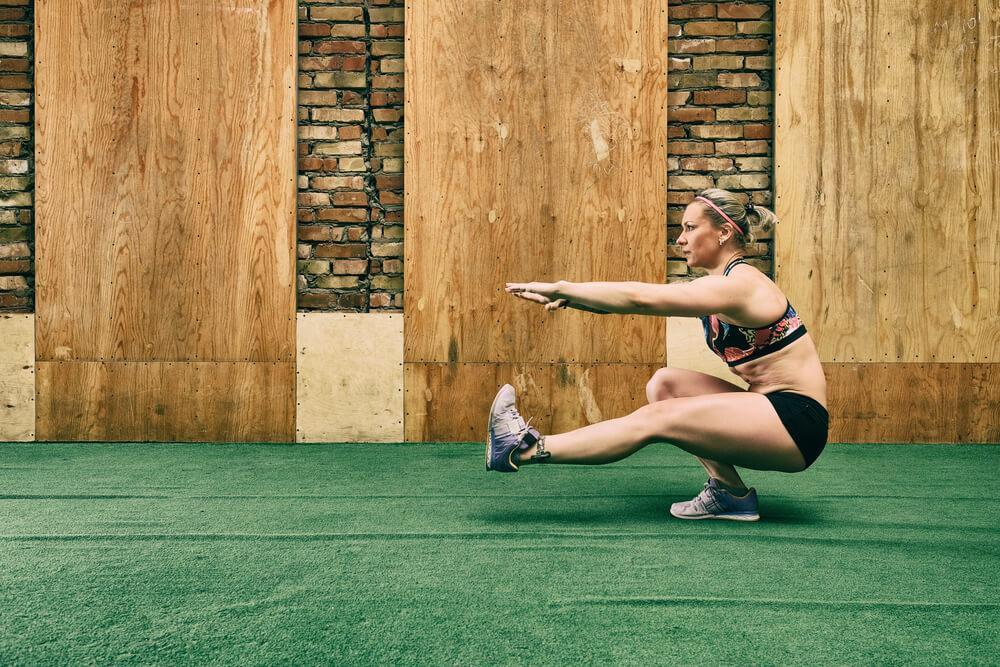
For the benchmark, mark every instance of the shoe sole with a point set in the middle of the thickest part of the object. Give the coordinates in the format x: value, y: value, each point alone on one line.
x: 724, y: 517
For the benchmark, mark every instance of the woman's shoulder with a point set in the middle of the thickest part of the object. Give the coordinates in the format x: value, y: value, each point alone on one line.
x: 764, y: 298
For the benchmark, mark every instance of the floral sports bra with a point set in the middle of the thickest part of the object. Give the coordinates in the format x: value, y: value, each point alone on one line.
x: 736, y: 345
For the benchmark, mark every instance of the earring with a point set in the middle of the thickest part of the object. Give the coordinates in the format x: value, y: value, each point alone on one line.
x: 721, y: 241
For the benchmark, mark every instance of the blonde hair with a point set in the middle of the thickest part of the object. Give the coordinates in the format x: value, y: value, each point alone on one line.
x: 755, y: 219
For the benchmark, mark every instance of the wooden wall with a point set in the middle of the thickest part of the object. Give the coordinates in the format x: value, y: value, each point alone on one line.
x: 165, y: 204
x: 535, y: 150
x: 887, y: 179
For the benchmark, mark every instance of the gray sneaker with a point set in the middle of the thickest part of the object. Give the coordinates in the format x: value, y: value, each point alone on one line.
x: 714, y: 502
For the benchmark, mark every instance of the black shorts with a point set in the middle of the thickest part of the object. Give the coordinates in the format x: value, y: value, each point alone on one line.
x: 806, y: 420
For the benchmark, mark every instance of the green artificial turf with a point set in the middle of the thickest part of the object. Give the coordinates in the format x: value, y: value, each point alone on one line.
x: 413, y: 554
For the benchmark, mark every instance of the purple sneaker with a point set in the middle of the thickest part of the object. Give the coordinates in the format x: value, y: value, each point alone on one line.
x: 506, y: 432
x: 714, y: 502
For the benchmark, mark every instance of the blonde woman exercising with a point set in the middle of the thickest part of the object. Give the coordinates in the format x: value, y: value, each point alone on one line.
x: 779, y: 422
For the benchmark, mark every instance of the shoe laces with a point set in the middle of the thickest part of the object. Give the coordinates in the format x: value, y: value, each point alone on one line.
x: 701, y: 501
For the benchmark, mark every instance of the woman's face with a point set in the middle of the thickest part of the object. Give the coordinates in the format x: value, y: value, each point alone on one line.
x: 699, y: 238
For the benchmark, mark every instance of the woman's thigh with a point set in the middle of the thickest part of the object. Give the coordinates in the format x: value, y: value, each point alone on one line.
x: 681, y: 382
x: 738, y: 428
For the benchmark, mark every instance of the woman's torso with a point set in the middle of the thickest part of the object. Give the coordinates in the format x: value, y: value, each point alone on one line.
x: 791, y: 365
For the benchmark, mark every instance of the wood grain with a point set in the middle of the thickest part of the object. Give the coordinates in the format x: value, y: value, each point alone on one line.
x: 165, y: 228
x: 451, y: 402
x: 165, y: 189
x: 886, y: 174
x: 535, y: 150
x: 912, y: 403
x: 166, y: 401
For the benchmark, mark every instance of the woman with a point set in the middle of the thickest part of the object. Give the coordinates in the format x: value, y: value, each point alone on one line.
x: 779, y: 423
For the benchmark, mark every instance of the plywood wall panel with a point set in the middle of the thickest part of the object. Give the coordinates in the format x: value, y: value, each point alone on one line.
x: 165, y: 218
x: 165, y: 192
x: 887, y: 145
x: 350, y: 377
x: 556, y: 397
x: 535, y: 150
x: 135, y: 401
x: 906, y: 402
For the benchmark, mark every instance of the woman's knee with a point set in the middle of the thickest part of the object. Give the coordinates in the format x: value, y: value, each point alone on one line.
x: 662, y: 386
x: 657, y: 420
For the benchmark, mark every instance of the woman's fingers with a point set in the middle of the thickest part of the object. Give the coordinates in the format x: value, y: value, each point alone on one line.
x: 555, y: 305
x: 545, y: 289
x: 531, y: 296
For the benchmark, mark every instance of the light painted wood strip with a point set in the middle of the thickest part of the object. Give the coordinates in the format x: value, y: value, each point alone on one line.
x: 349, y: 377
x: 17, y: 378
x: 686, y: 349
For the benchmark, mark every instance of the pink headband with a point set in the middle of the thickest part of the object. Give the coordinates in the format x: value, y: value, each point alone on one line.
x: 719, y: 211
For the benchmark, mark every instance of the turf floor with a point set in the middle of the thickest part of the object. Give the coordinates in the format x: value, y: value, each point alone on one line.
x: 413, y: 554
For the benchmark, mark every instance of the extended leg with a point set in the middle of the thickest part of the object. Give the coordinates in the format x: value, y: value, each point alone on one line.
x: 738, y: 429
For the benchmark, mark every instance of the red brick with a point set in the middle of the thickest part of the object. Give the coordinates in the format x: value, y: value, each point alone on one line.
x: 691, y: 115
x: 14, y: 65
x: 380, y: 300
x: 342, y: 215
x: 757, y: 131
x: 755, y: 27
x: 350, y: 199
x: 697, y: 28
x: 314, y: 29
x: 15, y: 266
x: 341, y: 250
x: 742, y: 147
x: 318, y: 233
x: 15, y: 30
x: 741, y: 45
x: 356, y: 300
x: 13, y: 303
x: 691, y: 45
x: 310, y: 164
x: 11, y: 149
x: 15, y: 82
x: 690, y: 147
x: 312, y: 300
x: 692, y: 12
x: 717, y: 131
x: 706, y: 164
x: 714, y: 97
x: 739, y: 10
x: 338, y: 46
x: 350, y: 267
x: 739, y: 80
x: 15, y: 116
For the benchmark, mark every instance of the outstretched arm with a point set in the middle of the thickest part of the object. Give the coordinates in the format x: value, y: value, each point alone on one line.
x: 703, y: 296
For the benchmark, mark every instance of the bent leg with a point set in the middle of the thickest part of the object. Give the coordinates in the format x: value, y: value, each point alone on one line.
x: 736, y: 428
x: 669, y: 383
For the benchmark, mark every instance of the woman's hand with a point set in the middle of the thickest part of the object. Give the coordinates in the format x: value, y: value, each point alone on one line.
x: 543, y: 293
